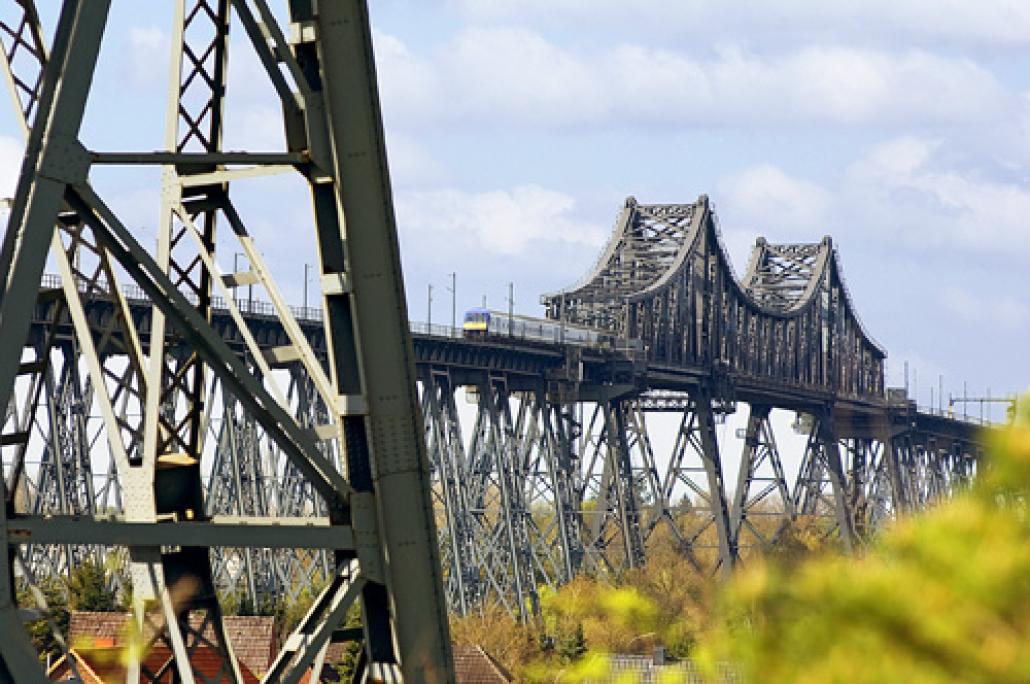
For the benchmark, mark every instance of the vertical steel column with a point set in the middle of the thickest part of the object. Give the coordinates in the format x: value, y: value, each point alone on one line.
x: 617, y: 502
x: 562, y: 464
x: 838, y: 482
x: 447, y: 455
x: 370, y: 344
x: 512, y: 514
x: 716, y: 486
x: 890, y: 439
x: 334, y: 134
x: 51, y: 163
x: 182, y: 582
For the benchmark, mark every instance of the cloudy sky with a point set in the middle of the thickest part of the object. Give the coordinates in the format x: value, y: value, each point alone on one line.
x: 516, y: 128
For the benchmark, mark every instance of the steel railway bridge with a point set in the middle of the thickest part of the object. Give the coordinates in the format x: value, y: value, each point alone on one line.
x: 219, y: 445
x: 552, y: 470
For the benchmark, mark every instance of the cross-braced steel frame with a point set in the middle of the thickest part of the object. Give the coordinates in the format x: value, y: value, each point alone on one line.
x: 541, y: 463
x: 354, y: 494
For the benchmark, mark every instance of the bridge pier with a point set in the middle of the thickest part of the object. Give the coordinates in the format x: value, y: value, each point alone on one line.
x: 761, y: 469
x: 537, y: 480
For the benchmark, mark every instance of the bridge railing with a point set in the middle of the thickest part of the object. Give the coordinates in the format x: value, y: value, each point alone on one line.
x: 135, y: 293
x: 951, y: 414
x: 434, y: 329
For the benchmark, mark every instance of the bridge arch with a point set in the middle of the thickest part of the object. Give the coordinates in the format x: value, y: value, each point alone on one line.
x: 665, y: 279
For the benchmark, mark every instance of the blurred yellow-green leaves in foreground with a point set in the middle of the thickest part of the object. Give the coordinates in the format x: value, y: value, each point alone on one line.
x: 939, y: 597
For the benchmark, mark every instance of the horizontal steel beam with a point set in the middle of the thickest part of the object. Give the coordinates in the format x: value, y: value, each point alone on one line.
x: 199, y: 158
x: 269, y: 533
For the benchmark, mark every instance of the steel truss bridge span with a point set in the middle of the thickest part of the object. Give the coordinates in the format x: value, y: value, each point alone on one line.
x: 544, y: 457
x: 664, y: 279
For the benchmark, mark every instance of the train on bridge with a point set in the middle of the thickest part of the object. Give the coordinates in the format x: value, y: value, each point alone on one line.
x: 481, y: 323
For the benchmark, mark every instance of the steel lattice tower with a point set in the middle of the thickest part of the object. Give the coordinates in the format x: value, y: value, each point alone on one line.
x: 361, y: 457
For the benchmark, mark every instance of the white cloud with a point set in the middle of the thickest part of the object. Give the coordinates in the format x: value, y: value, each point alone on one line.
x: 990, y: 311
x: 962, y: 21
x: 517, y: 76
x: 763, y: 197
x: 403, y: 76
x: 901, y: 192
x: 150, y: 55
x: 901, y: 187
x: 11, y: 152
x: 411, y: 165
x: 257, y: 127
x: 501, y: 221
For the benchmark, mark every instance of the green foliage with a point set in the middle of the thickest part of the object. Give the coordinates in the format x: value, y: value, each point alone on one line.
x: 589, y: 618
x: 40, y: 631
x: 349, y: 662
x: 940, y: 597
x: 89, y: 587
x: 239, y: 603
x: 572, y: 646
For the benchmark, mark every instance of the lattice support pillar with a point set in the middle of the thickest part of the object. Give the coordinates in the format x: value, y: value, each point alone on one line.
x: 892, y: 440
x: 378, y: 523
x: 762, y: 491
x: 716, y: 486
x: 821, y: 489
x: 455, y: 520
x: 562, y: 465
x: 615, y: 520
x: 512, y: 530
x: 551, y: 524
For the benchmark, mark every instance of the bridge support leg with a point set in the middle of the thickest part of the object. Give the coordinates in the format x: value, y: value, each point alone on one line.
x: 447, y: 456
x: 822, y: 468
x: 562, y: 465
x: 617, y: 484
x: 30, y: 228
x: 838, y: 481
x: 891, y: 443
x: 501, y: 477
x: 716, y: 486
x: 761, y: 483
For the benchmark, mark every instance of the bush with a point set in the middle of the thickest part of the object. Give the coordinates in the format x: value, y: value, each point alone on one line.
x: 939, y: 597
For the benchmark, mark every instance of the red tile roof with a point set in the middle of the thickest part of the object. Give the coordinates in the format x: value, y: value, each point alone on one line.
x: 252, y: 636
x: 106, y: 665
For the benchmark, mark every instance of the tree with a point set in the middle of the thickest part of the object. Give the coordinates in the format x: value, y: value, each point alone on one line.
x: 90, y: 587
x: 571, y: 647
x: 939, y: 597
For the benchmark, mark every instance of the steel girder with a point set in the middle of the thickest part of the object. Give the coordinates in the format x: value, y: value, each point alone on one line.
x: 645, y: 243
x: 546, y: 488
x: 251, y: 477
x: 562, y: 451
x: 664, y: 280
x: 377, y: 508
x: 504, y: 500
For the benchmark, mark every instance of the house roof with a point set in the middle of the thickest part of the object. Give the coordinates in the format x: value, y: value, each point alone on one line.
x: 97, y: 641
x: 106, y: 665
x: 472, y: 665
x: 252, y: 636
